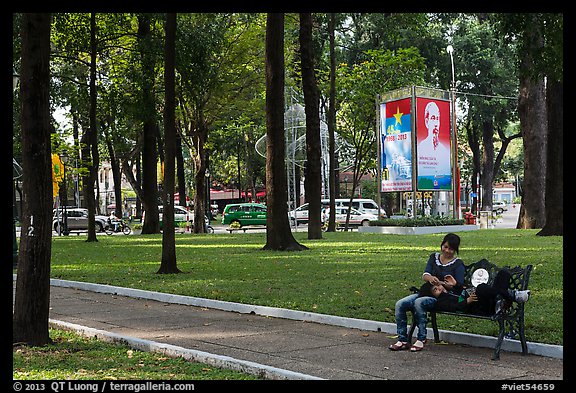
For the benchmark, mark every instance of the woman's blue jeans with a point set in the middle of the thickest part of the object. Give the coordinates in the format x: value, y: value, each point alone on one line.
x: 419, y: 306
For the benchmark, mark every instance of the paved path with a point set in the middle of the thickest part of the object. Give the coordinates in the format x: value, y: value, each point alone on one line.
x: 283, y: 348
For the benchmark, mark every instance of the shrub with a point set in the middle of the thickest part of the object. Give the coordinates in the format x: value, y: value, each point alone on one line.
x: 416, y: 222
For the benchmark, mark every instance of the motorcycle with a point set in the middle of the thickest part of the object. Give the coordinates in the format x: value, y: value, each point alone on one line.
x: 117, y: 227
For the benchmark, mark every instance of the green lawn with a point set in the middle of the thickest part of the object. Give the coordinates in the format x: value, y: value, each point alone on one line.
x: 346, y: 273
x: 72, y: 357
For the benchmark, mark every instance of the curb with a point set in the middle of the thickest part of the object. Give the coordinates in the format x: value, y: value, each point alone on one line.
x: 227, y: 362
x: 475, y: 340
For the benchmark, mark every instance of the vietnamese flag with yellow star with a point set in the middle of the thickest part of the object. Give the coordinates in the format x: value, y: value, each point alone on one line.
x: 396, y: 145
x: 57, y: 174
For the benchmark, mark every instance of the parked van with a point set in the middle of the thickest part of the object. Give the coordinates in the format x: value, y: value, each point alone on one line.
x: 366, y: 206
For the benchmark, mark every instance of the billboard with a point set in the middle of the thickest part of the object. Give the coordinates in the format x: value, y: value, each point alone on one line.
x: 396, y: 145
x: 433, y: 157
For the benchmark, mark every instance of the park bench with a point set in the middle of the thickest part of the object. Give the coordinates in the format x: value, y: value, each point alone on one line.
x: 510, y: 322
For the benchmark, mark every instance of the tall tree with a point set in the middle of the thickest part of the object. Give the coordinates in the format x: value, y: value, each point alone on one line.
x: 180, y: 174
x: 485, y: 70
x: 32, y: 299
x: 114, y: 166
x: 278, y: 233
x: 533, y: 123
x: 554, y: 65
x: 91, y: 158
x: 168, y: 264
x: 149, y: 150
x: 218, y: 59
x: 554, y: 197
x: 313, y: 179
x: 359, y: 85
x: 332, y: 124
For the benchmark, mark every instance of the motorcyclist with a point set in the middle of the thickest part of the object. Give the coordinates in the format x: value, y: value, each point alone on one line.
x: 113, y: 222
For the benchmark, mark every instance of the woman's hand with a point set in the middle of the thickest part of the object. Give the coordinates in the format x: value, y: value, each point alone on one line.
x: 449, y: 281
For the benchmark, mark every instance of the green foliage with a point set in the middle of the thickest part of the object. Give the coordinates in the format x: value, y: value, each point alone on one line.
x: 220, y: 73
x: 426, y: 221
x: 384, y: 70
x: 358, y: 86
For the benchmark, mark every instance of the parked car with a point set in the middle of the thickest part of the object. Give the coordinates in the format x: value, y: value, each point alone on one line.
x: 356, y: 218
x: 77, y: 219
x: 299, y: 215
x: 180, y: 214
x: 499, y: 207
x: 244, y: 214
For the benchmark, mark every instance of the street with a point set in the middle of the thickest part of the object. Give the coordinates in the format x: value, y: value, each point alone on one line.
x: 509, y: 219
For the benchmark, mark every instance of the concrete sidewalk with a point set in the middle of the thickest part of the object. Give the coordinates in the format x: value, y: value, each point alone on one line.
x: 280, y: 348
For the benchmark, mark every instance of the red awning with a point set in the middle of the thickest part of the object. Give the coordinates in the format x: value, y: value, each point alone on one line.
x: 259, y: 194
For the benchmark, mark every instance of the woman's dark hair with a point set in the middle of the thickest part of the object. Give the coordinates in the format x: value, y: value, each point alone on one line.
x: 453, y: 241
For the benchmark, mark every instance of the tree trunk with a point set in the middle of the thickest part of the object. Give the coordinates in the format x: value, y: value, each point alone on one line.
x: 168, y: 264
x: 32, y: 299
x: 487, y: 164
x: 149, y: 152
x: 532, y: 114
x: 278, y: 234
x: 533, y: 124
x: 474, y: 143
x: 332, y: 127
x: 76, y: 157
x: 138, y: 165
x: 555, y: 161
x: 92, y: 158
x: 116, y: 173
x: 313, y: 180
x: 199, y: 137
x: 180, y: 172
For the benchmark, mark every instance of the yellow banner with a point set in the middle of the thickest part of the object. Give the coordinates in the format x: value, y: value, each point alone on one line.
x: 57, y: 174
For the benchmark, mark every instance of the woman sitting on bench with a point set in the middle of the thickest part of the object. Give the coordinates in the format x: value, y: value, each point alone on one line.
x: 439, y: 265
